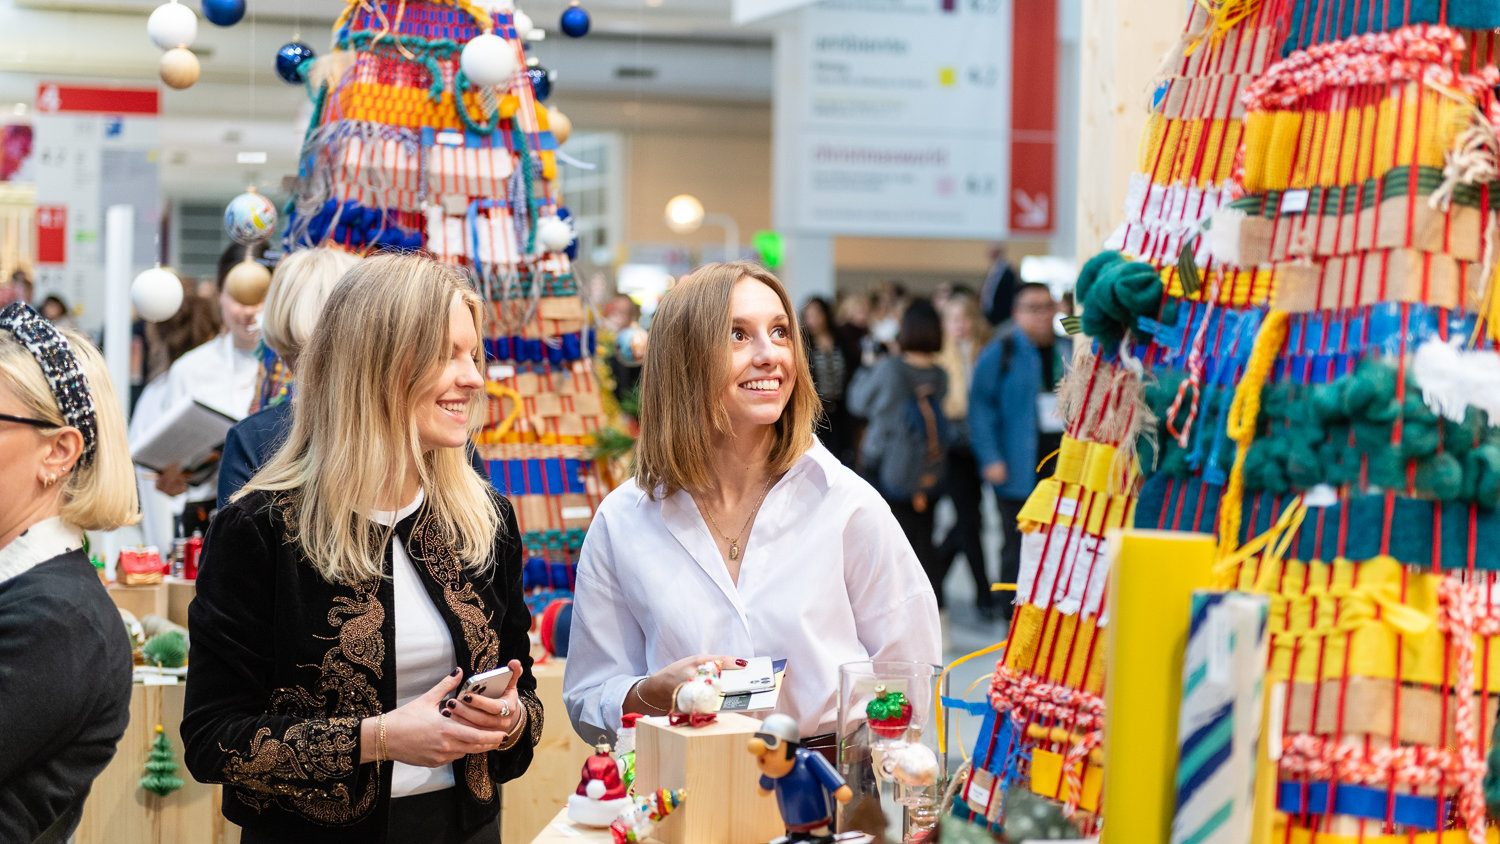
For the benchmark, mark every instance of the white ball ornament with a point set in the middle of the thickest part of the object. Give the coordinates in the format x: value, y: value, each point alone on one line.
x: 522, y: 23
x: 554, y: 234
x: 156, y: 294
x: 488, y: 60
x: 172, y: 25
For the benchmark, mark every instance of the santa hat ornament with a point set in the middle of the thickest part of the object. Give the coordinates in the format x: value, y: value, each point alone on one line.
x: 601, y: 794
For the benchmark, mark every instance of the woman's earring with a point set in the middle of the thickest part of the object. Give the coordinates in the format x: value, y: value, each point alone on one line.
x: 49, y: 480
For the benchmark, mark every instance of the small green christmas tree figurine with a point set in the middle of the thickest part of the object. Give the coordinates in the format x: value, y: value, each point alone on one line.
x: 159, y: 779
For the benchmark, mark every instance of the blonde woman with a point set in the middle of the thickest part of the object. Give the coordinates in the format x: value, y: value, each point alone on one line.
x: 299, y: 288
x: 64, y: 658
x: 343, y: 584
x: 741, y: 535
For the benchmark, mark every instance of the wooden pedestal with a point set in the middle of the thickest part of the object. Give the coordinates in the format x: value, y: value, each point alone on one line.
x: 141, y: 600
x: 724, y: 804
x: 528, y: 804
x: 119, y: 811
x: 179, y: 594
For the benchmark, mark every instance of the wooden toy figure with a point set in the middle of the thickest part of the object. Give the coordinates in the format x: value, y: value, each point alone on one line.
x: 802, y: 779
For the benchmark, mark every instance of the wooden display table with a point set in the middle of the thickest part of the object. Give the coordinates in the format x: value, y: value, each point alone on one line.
x: 529, y: 804
x: 560, y: 830
x: 119, y: 811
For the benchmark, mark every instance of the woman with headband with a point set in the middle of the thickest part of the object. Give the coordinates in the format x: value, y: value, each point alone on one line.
x: 64, y: 656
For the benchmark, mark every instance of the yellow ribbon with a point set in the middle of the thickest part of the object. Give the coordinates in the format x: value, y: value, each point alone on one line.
x: 937, y: 692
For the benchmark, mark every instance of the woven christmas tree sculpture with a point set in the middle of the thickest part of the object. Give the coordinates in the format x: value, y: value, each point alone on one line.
x: 161, y: 766
x: 1293, y: 349
x: 428, y: 134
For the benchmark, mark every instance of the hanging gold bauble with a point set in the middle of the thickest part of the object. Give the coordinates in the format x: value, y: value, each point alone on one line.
x: 247, y: 283
x: 178, y: 68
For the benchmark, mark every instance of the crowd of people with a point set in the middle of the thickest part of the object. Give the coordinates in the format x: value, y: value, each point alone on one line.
x: 358, y: 566
x: 939, y: 397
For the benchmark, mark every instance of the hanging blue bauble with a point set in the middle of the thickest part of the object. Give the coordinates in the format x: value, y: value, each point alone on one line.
x: 224, y: 12
x: 541, y: 82
x: 575, y: 21
x: 289, y: 61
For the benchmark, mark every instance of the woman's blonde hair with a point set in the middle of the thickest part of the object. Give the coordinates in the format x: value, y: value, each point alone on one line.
x: 382, y: 338
x: 687, y: 361
x: 101, y: 495
x: 299, y: 288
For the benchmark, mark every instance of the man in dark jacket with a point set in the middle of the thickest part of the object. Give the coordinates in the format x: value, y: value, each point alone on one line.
x: 1012, y: 410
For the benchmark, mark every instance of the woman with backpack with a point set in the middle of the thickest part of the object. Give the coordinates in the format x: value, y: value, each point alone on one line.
x: 904, y: 447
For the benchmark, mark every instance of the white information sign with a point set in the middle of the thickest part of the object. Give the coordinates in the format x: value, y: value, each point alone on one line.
x: 892, y: 118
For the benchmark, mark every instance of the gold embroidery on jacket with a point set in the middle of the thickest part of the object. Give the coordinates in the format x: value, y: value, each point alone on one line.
x: 317, y: 751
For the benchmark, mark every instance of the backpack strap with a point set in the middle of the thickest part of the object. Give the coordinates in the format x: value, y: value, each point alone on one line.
x: 924, y: 393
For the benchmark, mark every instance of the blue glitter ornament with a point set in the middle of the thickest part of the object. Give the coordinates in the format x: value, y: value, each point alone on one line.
x: 289, y: 61
x: 575, y: 21
x: 541, y: 82
x: 224, y: 12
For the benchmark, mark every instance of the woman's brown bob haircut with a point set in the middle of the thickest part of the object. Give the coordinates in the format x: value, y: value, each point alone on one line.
x: 687, y: 364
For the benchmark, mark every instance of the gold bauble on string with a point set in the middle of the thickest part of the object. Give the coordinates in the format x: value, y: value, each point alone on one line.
x: 178, y: 68
x: 247, y: 283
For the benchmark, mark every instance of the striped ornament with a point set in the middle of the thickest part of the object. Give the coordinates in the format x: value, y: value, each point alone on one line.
x: 1219, y: 724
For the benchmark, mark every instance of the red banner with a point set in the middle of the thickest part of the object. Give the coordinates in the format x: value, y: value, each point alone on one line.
x: 1033, y: 117
x: 51, y: 234
x: 55, y: 98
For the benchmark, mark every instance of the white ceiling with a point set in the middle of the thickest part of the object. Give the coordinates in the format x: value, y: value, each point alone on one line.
x: 645, y: 57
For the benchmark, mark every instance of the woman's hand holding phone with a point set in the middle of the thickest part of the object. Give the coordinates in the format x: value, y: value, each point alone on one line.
x: 481, y: 708
x: 420, y: 734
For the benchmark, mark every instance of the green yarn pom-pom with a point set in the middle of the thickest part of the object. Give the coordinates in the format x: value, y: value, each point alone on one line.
x: 1303, y: 468
x: 1482, y: 472
x: 1387, y: 469
x: 1440, y: 476
x: 1419, y: 439
x: 1328, y: 400
x: 1090, y: 273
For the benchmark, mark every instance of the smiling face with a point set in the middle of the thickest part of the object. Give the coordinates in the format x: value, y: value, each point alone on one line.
x: 442, y: 408
x: 762, y: 365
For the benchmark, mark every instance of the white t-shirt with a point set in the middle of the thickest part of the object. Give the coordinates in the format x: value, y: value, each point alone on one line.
x: 827, y: 577
x: 424, y: 652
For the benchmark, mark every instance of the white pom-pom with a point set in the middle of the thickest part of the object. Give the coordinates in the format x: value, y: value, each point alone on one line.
x: 172, y: 25
x: 554, y: 233
x: 595, y: 789
x: 156, y: 294
x: 523, y: 24
x: 488, y: 60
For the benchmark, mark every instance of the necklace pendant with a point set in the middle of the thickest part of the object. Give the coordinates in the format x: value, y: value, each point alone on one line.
x: 734, y: 551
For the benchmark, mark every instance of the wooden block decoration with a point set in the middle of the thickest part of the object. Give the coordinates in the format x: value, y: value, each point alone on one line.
x: 179, y: 594
x: 564, y: 382
x: 724, y: 804
x: 570, y: 425
x: 141, y: 600
x: 528, y: 383
x: 534, y: 513
x: 547, y: 404
x: 529, y: 804
x: 576, y: 511
x: 560, y: 307
x: 587, y: 404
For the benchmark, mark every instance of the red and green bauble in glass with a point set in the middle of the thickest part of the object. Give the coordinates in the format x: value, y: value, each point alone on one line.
x: 889, y: 713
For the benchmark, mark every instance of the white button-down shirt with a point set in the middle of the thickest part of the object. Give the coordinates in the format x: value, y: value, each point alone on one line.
x: 826, y: 577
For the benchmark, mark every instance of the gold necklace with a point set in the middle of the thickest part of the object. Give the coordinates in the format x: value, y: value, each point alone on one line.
x: 734, y: 544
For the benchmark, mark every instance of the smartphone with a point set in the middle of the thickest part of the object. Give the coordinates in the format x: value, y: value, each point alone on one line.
x: 490, y: 684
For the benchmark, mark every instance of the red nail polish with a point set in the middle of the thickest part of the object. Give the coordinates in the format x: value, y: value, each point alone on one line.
x: 741, y: 663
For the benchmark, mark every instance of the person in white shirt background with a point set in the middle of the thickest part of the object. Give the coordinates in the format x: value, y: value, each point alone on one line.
x: 221, y: 374
x: 741, y: 535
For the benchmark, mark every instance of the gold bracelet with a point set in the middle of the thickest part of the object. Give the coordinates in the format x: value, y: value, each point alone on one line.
x: 382, y: 754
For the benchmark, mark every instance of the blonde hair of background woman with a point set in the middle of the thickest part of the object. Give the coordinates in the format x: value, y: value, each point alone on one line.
x: 382, y: 337
x: 682, y: 382
x: 101, y: 495
x: 299, y: 288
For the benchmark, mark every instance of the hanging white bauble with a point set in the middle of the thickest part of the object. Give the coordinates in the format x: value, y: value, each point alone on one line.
x: 554, y: 234
x: 172, y: 25
x: 523, y: 24
x: 156, y: 294
x: 488, y: 60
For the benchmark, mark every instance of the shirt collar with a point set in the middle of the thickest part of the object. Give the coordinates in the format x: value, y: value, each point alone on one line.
x: 39, y: 543
x: 391, y: 517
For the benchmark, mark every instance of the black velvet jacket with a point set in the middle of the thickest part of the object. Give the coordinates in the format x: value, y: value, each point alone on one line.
x: 284, y: 665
